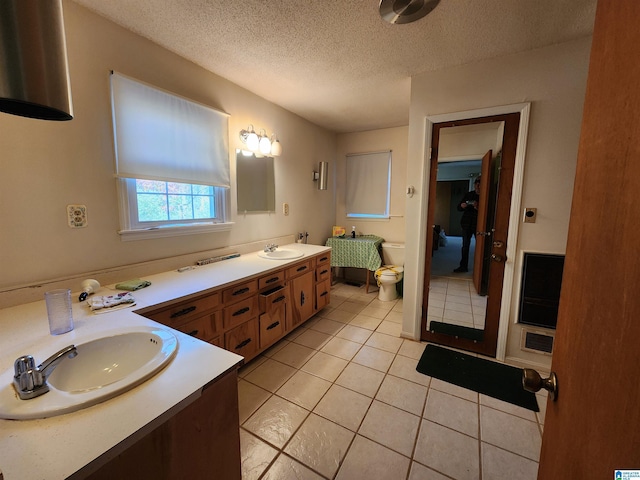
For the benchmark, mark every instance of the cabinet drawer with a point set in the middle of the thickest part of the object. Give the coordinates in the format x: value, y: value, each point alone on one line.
x: 273, y: 299
x: 181, y: 312
x: 298, y: 269
x: 271, y: 280
x: 323, y: 294
x: 239, y: 292
x: 205, y: 327
x: 240, y: 312
x: 271, y: 328
x: 243, y: 339
x: 323, y: 258
x: 323, y: 272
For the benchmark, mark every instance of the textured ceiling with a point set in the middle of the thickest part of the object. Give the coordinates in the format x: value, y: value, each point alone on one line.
x: 336, y: 62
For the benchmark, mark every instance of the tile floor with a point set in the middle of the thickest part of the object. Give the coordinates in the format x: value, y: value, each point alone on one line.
x: 455, y: 301
x: 339, y: 398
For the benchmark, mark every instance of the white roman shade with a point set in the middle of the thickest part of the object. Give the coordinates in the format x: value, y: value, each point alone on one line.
x: 367, y: 184
x: 160, y: 136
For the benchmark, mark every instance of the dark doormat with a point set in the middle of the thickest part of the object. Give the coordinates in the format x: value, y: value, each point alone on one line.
x: 457, y: 331
x: 483, y: 376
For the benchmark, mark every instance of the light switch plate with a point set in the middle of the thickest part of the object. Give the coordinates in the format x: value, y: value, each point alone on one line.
x: 77, y: 216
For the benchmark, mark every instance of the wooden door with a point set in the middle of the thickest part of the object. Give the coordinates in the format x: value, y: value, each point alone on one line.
x: 481, y: 236
x: 592, y: 429
x: 499, y: 231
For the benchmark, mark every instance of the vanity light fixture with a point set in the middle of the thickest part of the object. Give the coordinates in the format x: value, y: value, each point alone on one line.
x: 260, y: 144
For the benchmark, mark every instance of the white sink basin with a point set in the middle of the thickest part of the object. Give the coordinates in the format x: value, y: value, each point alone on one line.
x: 105, y: 367
x: 281, y: 254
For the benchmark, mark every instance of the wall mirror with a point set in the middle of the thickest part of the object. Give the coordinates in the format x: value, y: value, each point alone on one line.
x: 463, y: 308
x: 256, y: 184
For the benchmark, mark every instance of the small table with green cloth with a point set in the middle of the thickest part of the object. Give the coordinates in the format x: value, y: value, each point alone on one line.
x: 360, y: 252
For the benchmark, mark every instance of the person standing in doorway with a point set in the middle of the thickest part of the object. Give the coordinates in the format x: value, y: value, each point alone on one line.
x: 469, y: 208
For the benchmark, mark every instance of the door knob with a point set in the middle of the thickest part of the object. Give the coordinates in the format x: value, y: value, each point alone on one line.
x: 498, y: 244
x: 533, y: 382
x: 496, y: 258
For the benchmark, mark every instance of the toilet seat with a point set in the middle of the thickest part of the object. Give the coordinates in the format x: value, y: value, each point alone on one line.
x: 389, y: 272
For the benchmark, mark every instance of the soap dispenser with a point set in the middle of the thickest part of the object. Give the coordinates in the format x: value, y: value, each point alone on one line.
x: 353, y: 232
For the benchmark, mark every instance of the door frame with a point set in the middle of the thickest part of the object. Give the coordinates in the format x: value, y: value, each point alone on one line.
x: 514, y: 215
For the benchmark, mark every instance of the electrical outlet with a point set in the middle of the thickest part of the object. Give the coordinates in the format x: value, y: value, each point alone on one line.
x: 77, y: 216
x: 530, y: 215
x: 285, y: 209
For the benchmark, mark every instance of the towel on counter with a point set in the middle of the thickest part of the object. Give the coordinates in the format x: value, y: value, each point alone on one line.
x: 131, y: 285
x: 102, y: 304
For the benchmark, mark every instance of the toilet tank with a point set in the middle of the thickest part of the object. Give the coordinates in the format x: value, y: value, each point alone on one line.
x: 393, y: 253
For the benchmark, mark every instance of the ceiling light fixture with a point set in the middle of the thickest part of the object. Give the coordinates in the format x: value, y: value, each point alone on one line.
x: 260, y: 145
x: 406, y: 11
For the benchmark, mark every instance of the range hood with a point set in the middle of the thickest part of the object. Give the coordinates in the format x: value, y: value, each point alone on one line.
x: 34, y: 72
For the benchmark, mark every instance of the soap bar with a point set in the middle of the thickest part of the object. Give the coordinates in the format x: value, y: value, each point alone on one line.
x: 131, y: 285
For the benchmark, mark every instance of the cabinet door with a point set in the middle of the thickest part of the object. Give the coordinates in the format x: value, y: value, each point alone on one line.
x: 323, y: 290
x: 303, y: 298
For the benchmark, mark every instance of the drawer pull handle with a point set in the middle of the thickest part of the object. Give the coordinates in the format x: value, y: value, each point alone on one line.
x: 302, y: 268
x: 241, y: 311
x: 323, y: 272
x: 183, y: 311
x: 244, y: 343
x: 273, y: 325
x: 324, y: 259
x: 241, y: 291
x: 272, y: 279
x: 279, y: 299
x: 193, y: 333
x: 324, y: 293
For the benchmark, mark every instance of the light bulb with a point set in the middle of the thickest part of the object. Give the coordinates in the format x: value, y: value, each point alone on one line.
x: 265, y: 145
x: 252, y: 140
x: 276, y: 148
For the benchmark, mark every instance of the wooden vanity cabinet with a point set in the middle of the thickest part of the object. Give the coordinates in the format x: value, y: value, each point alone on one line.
x: 200, y: 441
x: 250, y: 315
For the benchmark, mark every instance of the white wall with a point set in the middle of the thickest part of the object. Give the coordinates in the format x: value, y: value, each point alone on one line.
x: 553, y: 79
x: 47, y: 165
x: 394, y: 139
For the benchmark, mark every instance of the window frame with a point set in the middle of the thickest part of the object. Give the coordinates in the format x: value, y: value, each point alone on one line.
x: 135, y: 230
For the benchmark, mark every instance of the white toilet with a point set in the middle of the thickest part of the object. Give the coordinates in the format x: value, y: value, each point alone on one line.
x: 391, y: 271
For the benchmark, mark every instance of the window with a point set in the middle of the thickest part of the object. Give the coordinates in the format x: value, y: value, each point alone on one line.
x: 172, y: 162
x: 368, y: 185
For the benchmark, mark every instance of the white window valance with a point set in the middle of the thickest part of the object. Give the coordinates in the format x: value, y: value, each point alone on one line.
x: 161, y: 136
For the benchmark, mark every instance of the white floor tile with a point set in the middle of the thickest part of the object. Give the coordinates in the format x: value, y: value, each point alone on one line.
x: 369, y: 460
x: 320, y: 444
x: 391, y: 427
x: 448, y: 451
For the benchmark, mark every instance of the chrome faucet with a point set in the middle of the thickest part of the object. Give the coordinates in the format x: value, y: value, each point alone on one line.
x: 31, y: 381
x: 270, y: 247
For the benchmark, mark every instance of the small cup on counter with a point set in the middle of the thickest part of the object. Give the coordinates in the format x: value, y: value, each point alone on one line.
x: 59, y: 311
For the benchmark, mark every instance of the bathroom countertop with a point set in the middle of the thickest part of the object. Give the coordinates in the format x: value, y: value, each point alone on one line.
x: 57, y: 447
